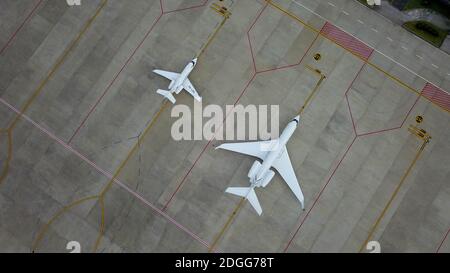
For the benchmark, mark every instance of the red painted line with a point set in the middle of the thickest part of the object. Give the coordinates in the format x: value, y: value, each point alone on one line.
x: 379, y: 132
x: 92, y: 109
x: 351, y: 116
x: 443, y: 241
x: 250, y: 40
x: 355, y: 138
x: 335, y: 169
x: 237, y: 101
x: 318, y: 197
x: 252, y: 54
x: 394, y: 128
x: 437, y: 95
x: 281, y: 67
x: 183, y: 9
x: 292, y: 65
x: 347, y: 41
x: 410, y: 110
x: 166, y: 206
x: 105, y: 173
x: 8, y: 43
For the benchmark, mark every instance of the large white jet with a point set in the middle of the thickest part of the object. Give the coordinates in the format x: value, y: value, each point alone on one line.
x: 273, y: 154
x: 179, y: 82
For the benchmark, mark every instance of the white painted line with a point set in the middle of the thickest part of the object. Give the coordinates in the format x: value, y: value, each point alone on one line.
x: 331, y: 4
x: 361, y: 22
x: 310, y: 10
x: 390, y: 39
x: 420, y: 57
x: 381, y: 53
x: 102, y: 171
x: 435, y: 66
x: 404, y: 48
x: 346, y: 13
x: 374, y: 29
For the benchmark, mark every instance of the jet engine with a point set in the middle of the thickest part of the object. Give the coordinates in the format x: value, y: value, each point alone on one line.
x: 172, y: 83
x: 269, y: 176
x: 254, y: 170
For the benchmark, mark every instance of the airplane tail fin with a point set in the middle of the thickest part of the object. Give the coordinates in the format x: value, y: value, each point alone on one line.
x: 249, y: 194
x: 167, y: 95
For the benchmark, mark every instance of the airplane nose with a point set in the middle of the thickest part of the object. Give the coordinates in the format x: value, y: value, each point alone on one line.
x: 297, y: 119
x: 195, y: 60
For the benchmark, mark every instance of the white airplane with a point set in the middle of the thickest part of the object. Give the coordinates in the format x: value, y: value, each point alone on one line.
x: 273, y: 154
x: 179, y: 82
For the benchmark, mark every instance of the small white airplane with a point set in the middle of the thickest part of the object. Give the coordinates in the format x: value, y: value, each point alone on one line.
x: 273, y: 154
x: 179, y: 82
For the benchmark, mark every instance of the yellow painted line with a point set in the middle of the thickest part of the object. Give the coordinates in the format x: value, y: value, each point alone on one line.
x: 5, y: 169
x: 142, y: 137
x: 213, y: 36
x: 293, y: 16
x: 121, y: 167
x: 41, y: 86
x: 102, y: 224
x: 227, y: 225
x: 59, y: 62
x: 314, y: 91
x: 55, y: 217
x: 130, y: 154
x: 392, y: 77
x: 394, y: 194
x: 242, y: 202
x: 437, y: 105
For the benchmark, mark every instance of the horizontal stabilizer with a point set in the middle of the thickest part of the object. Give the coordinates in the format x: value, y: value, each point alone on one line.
x: 249, y: 194
x: 167, y: 94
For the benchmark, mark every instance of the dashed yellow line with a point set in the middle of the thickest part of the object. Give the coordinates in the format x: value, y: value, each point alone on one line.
x: 41, y: 86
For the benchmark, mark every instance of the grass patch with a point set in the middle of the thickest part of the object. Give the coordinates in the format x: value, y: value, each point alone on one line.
x: 427, y: 31
x: 435, y: 5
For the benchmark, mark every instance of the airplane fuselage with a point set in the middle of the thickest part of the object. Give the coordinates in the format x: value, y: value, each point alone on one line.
x: 279, y: 147
x: 177, y: 86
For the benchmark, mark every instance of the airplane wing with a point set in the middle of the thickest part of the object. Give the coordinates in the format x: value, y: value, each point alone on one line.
x: 166, y: 74
x: 188, y: 86
x: 284, y: 166
x: 255, y: 149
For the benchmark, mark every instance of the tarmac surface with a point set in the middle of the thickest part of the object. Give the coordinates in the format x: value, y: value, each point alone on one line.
x: 87, y: 155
